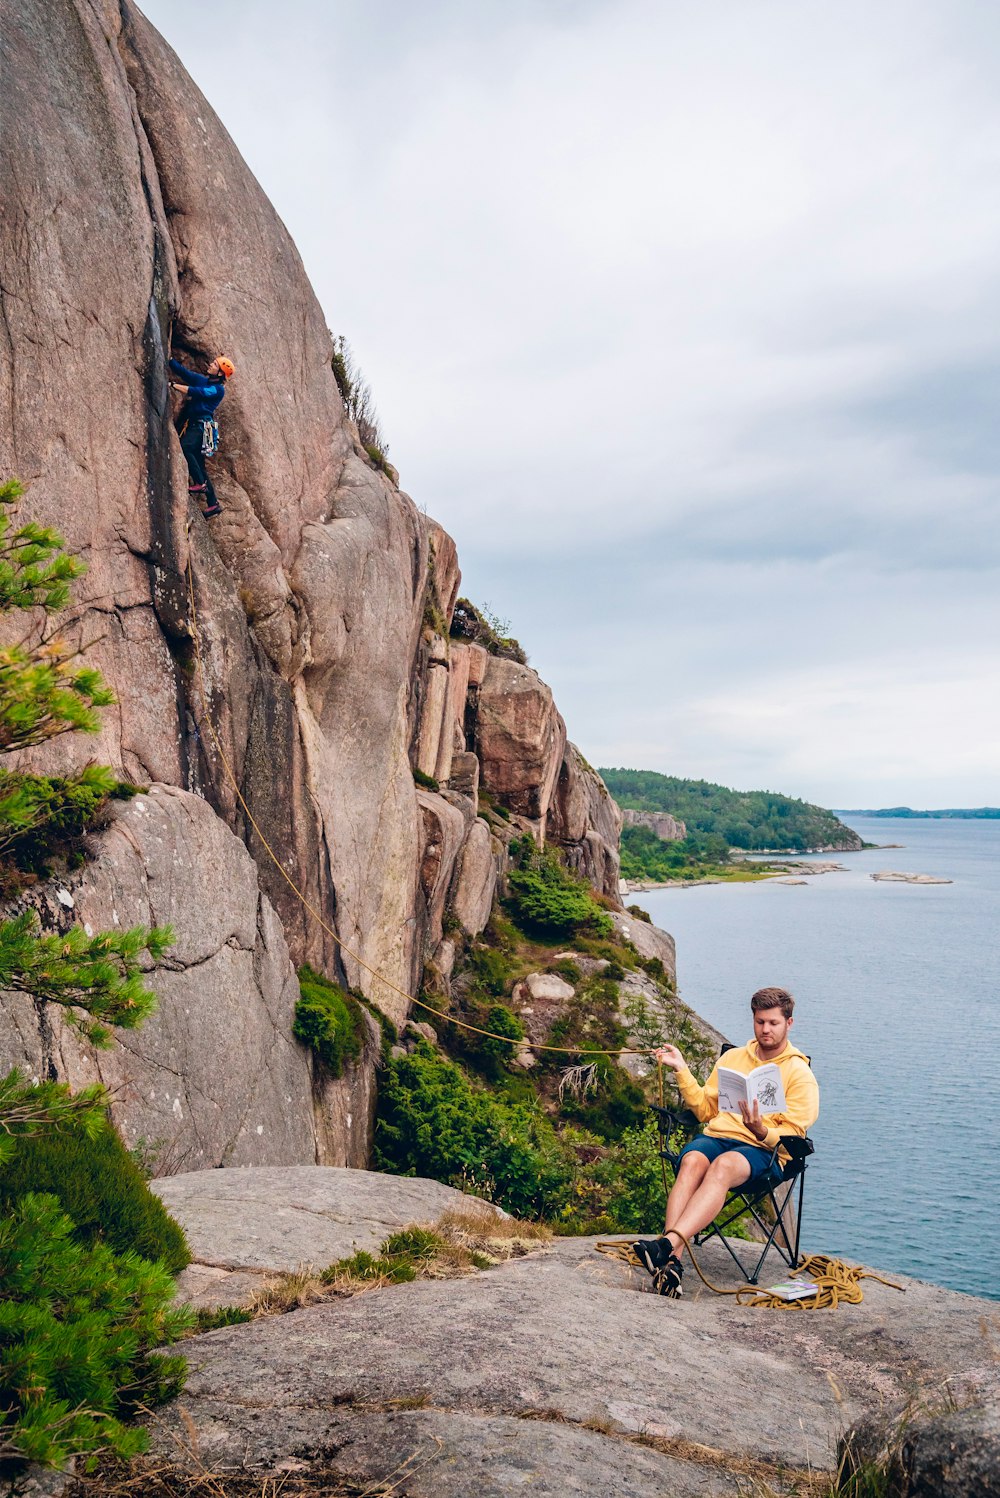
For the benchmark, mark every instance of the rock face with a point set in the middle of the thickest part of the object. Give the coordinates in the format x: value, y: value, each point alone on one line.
x: 500, y: 1356
x: 320, y: 600
x: 215, y: 1077
x: 667, y: 828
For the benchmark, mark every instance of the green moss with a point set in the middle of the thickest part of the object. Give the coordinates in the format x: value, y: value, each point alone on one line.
x: 99, y: 1185
x: 426, y: 781
x: 329, y: 1020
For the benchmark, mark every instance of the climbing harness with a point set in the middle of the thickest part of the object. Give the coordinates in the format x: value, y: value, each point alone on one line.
x: 317, y: 917
x: 836, y: 1283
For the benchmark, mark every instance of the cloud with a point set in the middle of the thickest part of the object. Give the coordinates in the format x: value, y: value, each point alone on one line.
x: 668, y: 305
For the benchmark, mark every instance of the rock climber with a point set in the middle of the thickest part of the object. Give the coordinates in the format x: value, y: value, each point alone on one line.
x: 196, y: 423
x: 735, y: 1148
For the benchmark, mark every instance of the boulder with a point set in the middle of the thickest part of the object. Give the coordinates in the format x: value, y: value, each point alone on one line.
x: 544, y: 988
x: 474, y: 882
x: 250, y: 1223
x: 520, y: 738
x: 540, y: 999
x: 942, y: 1443
x: 215, y: 1077
x: 648, y: 940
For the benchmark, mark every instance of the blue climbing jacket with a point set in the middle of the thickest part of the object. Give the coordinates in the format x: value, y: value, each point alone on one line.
x: 203, y: 396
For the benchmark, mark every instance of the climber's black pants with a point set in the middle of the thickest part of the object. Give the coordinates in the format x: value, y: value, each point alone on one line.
x: 191, y: 448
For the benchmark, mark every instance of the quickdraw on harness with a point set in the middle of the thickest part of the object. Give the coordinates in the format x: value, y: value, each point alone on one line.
x: 209, y: 438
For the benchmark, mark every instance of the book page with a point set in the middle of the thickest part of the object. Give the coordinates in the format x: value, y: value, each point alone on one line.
x: 732, y: 1088
x: 764, y: 1083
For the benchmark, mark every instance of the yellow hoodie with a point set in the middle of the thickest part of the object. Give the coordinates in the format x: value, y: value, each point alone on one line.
x: 801, y: 1097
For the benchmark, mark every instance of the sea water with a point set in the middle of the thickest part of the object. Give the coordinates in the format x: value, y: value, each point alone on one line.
x: 898, y: 1004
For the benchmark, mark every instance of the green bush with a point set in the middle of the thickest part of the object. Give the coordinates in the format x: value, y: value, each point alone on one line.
x: 546, y: 900
x: 99, y: 1185
x: 77, y: 1325
x: 502, y: 1021
x: 432, y: 1121
x: 427, y: 782
x: 329, y: 1020
x: 614, y: 1107
x: 636, y: 1199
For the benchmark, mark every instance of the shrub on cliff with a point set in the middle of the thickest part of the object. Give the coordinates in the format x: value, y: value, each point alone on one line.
x: 432, y: 1121
x: 546, y: 900
x: 329, y: 1020
x: 100, y: 1187
x: 44, y: 819
x: 359, y: 403
x: 482, y: 627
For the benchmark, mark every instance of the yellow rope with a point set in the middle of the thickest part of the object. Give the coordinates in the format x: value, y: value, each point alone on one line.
x: 837, y: 1283
x: 307, y: 904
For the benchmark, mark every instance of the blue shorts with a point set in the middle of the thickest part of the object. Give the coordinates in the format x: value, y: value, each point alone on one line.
x: 757, y: 1155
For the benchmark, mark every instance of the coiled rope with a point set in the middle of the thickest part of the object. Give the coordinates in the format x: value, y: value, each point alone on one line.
x: 307, y: 903
x: 836, y: 1283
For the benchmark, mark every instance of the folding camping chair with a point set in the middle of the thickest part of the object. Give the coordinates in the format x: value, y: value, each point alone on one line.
x: 779, y: 1198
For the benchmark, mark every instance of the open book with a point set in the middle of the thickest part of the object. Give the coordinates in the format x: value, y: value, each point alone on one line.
x: 763, y: 1083
x: 793, y: 1289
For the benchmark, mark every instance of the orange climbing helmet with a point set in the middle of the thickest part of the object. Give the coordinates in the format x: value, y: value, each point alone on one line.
x: 226, y: 366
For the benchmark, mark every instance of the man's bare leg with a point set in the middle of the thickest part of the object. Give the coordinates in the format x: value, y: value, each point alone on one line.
x: 706, y: 1202
x: 692, y: 1171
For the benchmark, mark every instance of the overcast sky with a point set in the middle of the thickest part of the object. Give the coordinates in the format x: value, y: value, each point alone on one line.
x: 683, y: 319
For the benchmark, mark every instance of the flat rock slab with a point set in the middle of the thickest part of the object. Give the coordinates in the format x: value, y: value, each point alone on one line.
x: 559, y: 1365
x: 245, y: 1224
x: 450, y: 1454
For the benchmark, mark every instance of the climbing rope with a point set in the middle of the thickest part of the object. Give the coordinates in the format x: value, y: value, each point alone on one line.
x: 836, y: 1283
x: 317, y: 917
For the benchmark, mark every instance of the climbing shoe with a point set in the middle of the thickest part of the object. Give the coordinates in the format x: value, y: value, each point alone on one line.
x: 197, y: 488
x: 215, y: 509
x: 652, y: 1253
x: 669, y: 1280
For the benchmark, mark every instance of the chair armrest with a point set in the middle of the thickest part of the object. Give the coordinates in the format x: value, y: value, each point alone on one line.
x: 669, y: 1120
x: 797, y: 1147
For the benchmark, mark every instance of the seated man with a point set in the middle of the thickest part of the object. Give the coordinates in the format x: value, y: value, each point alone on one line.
x: 734, y: 1148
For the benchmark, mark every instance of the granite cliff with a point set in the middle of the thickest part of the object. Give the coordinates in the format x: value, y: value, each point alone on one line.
x: 323, y: 598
